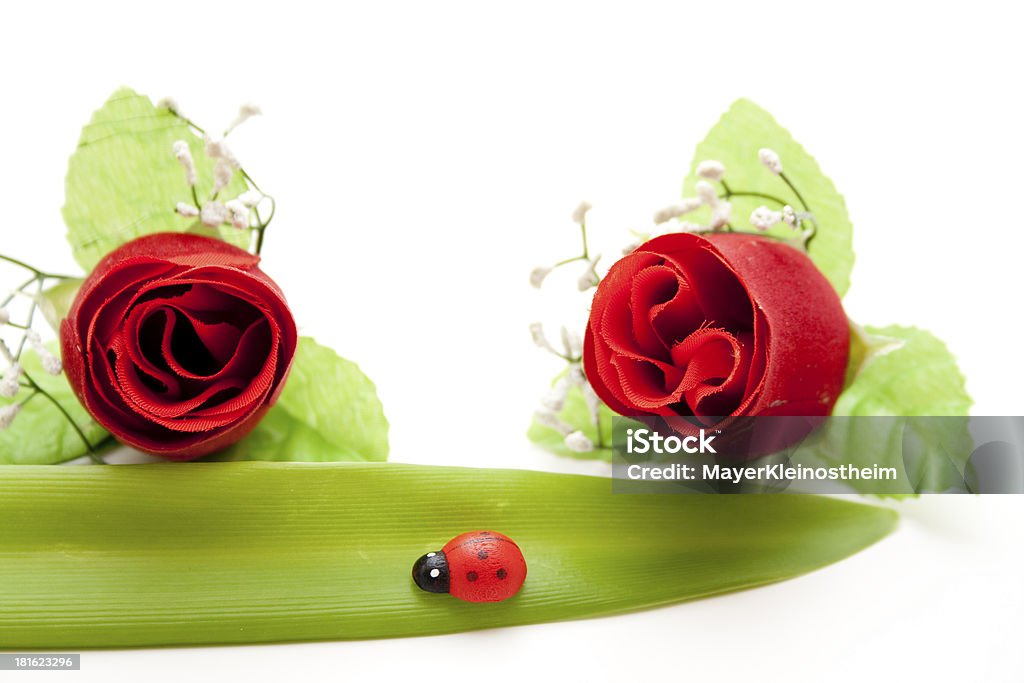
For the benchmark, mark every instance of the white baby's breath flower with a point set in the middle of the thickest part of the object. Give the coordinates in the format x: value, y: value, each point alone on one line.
x: 222, y: 172
x: 51, y: 364
x: 251, y: 198
x: 680, y: 208
x: 537, y: 276
x: 789, y: 216
x: 170, y: 104
x: 548, y: 419
x: 5, y: 351
x: 580, y: 214
x: 554, y: 399
x: 216, y: 148
x: 579, y: 442
x: 5, y: 316
x: 7, y: 415
x: 9, y: 385
x: 238, y: 213
x: 631, y: 247
x: 706, y: 192
x: 540, y: 339
x: 245, y: 112
x: 213, y: 214
x: 770, y: 158
x: 186, y: 210
x: 184, y: 156
x: 764, y: 218
x: 711, y: 169
x: 721, y: 212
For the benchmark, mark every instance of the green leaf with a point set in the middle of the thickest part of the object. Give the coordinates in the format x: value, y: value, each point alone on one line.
x: 575, y: 414
x: 328, y: 411
x: 40, y: 435
x: 902, y: 371
x: 55, y: 302
x: 213, y: 553
x: 735, y: 141
x: 123, y: 181
x: 899, y: 372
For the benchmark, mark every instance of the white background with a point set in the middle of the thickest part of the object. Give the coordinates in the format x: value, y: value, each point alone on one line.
x: 426, y: 156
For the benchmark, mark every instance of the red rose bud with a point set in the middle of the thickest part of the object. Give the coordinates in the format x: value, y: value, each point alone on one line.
x: 701, y: 329
x: 178, y: 344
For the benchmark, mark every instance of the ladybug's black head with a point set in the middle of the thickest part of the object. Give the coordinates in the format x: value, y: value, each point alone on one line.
x: 431, y: 572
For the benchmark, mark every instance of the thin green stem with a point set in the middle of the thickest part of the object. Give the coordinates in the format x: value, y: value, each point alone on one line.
x: 792, y: 187
x: 583, y: 232
x: 28, y: 322
x: 40, y: 274
x: 762, y: 195
x: 38, y: 389
x: 21, y: 288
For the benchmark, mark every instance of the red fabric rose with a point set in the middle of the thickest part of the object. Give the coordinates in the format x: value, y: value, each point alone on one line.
x: 700, y: 329
x: 178, y: 344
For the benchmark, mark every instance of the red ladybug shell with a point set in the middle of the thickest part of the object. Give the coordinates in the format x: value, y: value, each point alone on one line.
x: 484, y: 566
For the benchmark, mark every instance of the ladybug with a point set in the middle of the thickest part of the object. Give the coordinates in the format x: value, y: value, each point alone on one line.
x: 478, y: 566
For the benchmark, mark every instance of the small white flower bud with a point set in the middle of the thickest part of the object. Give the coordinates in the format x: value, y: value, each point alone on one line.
x: 245, y: 112
x: 789, y: 217
x: 7, y: 415
x: 684, y: 206
x: 222, y: 173
x: 51, y: 364
x: 5, y: 316
x: 711, y: 169
x: 238, y: 213
x: 578, y: 441
x: 184, y: 156
x: 770, y: 158
x: 186, y: 210
x: 706, y: 192
x: 554, y: 399
x: 575, y: 375
x: 9, y: 387
x: 5, y: 351
x: 580, y: 214
x: 539, y: 338
x: 170, y: 104
x: 721, y: 212
x: 764, y: 218
x: 251, y: 198
x: 213, y: 214
x: 550, y: 420
x: 537, y: 276
x: 218, y: 149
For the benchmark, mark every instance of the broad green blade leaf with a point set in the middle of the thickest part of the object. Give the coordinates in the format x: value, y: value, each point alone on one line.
x: 328, y: 410
x: 576, y: 414
x: 123, y: 181
x: 147, y: 555
x: 900, y: 371
x: 40, y: 435
x: 735, y: 141
x: 55, y: 302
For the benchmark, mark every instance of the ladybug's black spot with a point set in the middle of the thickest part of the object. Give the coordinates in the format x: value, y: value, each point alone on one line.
x: 482, y: 555
x: 502, y: 573
x: 471, y: 577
